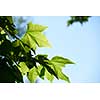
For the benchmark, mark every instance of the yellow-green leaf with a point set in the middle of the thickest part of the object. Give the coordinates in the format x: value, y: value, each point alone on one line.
x: 32, y: 75
x: 61, y: 61
x: 23, y: 68
x: 34, y: 36
x: 35, y: 27
x: 49, y: 76
x: 40, y: 39
x: 62, y: 76
x: 27, y: 39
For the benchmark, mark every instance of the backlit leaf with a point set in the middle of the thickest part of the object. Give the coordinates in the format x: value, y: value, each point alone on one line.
x: 34, y: 36
x: 27, y: 39
x: 49, y: 76
x: 36, y: 27
x: 42, y: 60
x: 32, y: 75
x: 57, y: 63
x: 62, y: 76
x: 61, y: 61
x: 23, y: 68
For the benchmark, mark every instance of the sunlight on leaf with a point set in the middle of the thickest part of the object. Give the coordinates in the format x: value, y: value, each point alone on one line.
x: 23, y: 68
x: 61, y: 61
x: 34, y: 36
x: 27, y: 39
x: 36, y: 27
x: 62, y: 76
x: 49, y: 76
x: 32, y: 75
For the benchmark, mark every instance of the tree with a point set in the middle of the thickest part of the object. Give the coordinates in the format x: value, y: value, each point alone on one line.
x: 18, y: 55
x: 80, y: 19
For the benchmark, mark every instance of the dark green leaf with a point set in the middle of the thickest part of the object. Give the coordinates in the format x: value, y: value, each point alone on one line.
x: 49, y: 76
x: 42, y: 73
x: 5, y: 47
x: 30, y: 61
x: 6, y: 75
x: 10, y: 19
x: 2, y: 37
x: 17, y: 74
x: 42, y: 58
x: 51, y: 71
x: 80, y: 19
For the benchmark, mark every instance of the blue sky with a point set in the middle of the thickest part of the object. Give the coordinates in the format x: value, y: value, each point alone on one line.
x: 78, y: 42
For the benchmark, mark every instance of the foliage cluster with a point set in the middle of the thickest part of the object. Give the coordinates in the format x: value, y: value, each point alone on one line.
x: 18, y: 55
x: 80, y: 19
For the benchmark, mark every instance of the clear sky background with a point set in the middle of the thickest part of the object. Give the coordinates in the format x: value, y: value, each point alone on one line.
x: 80, y: 43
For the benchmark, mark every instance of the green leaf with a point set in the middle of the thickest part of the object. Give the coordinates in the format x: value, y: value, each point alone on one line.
x: 42, y: 60
x: 2, y: 32
x: 5, y: 47
x: 17, y: 74
x: 62, y: 76
x: 27, y: 39
x: 35, y: 27
x: 80, y: 19
x: 10, y: 19
x: 34, y: 36
x: 23, y: 68
x: 49, y: 76
x: 18, y: 43
x: 60, y: 61
x: 42, y: 55
x: 42, y: 73
x: 6, y: 75
x: 40, y: 39
x: 57, y: 63
x: 70, y: 22
x: 32, y: 75
x: 2, y: 37
x: 51, y: 71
